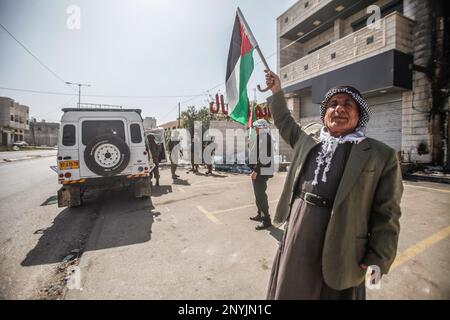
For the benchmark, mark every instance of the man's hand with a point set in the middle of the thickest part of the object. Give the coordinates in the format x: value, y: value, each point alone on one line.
x: 253, y: 175
x: 273, y: 81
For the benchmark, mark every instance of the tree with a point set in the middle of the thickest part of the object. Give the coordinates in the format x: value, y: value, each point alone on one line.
x: 191, y: 115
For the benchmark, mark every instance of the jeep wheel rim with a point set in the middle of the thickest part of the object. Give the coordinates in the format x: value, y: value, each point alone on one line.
x: 107, y: 155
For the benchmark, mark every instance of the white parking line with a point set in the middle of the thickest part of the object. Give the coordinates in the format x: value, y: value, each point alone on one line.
x: 209, y: 215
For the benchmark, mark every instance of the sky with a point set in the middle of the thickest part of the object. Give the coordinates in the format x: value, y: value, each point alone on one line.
x: 172, y: 48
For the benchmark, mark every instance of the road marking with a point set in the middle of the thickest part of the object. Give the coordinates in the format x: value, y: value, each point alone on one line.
x: 218, y: 183
x: 427, y: 188
x: 209, y: 215
x: 230, y: 180
x: 209, y: 185
x: 419, y: 247
x: 239, y: 208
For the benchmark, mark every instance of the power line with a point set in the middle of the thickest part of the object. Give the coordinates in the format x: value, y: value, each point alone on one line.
x: 102, y: 96
x: 33, y: 55
x: 57, y: 108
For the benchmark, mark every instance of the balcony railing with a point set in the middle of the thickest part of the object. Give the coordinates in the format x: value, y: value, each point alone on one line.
x: 393, y: 32
x: 297, y: 13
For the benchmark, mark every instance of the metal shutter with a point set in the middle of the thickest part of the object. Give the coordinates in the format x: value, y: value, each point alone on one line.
x: 386, y: 120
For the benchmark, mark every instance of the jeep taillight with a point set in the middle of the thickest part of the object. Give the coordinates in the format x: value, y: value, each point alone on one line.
x: 67, y: 175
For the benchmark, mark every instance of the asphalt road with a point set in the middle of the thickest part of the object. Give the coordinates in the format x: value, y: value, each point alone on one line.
x: 35, y: 235
x: 192, y: 240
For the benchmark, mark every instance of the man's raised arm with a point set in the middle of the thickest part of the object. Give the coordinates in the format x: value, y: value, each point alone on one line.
x: 289, y: 129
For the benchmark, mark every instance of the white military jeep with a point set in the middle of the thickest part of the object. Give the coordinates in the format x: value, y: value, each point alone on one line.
x: 101, y: 148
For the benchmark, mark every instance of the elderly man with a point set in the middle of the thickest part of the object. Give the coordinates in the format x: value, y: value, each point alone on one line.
x: 340, y: 202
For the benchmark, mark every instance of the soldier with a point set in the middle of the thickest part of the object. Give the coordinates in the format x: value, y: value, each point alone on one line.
x: 173, y: 156
x: 211, y: 148
x: 155, y: 151
x: 262, y: 171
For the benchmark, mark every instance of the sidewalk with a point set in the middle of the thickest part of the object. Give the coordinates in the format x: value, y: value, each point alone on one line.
x: 429, y: 174
x: 10, y: 156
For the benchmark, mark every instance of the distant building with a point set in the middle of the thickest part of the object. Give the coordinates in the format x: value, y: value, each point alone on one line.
x: 42, y: 133
x: 149, y: 123
x: 14, y: 121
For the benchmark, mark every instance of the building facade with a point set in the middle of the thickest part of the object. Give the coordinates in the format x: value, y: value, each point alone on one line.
x: 383, y: 48
x: 42, y: 133
x: 14, y: 121
x: 149, y: 123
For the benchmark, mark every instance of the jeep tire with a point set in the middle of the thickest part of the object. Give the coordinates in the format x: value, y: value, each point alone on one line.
x: 107, y: 155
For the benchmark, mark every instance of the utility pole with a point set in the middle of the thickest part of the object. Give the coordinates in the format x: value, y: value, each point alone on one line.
x: 179, y: 115
x: 79, y: 90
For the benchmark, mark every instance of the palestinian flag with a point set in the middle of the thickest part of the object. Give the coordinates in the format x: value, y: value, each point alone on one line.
x: 239, y: 69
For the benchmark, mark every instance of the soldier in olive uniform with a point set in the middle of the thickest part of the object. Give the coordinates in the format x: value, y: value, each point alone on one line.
x: 262, y: 171
x: 155, y: 151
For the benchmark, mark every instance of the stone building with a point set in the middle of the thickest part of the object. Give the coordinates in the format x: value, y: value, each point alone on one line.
x: 397, y: 60
x: 42, y: 133
x: 14, y: 121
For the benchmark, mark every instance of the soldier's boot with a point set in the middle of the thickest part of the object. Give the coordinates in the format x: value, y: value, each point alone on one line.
x: 258, y: 217
x: 265, y: 223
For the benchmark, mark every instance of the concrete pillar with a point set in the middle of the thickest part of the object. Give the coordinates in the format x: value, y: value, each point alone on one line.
x: 293, y: 104
x: 338, y: 29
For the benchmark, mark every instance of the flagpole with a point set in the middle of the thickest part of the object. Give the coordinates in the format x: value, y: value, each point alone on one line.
x: 255, y: 44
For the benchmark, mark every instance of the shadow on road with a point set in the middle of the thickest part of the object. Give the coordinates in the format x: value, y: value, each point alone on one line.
x: 123, y: 221
x: 51, y: 200
x: 105, y: 220
x: 181, y: 182
x: 276, y: 233
x: 158, y: 191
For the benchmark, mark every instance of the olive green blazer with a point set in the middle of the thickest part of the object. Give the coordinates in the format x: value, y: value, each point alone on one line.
x: 364, y: 223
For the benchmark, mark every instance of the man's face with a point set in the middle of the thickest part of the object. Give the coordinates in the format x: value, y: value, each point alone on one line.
x: 341, y: 115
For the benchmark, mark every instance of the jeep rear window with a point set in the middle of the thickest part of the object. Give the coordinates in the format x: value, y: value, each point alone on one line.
x: 92, y: 129
x: 136, y: 136
x: 68, y: 138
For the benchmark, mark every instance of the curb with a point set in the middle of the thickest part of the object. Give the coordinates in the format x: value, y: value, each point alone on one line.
x: 25, y: 158
x: 415, y: 178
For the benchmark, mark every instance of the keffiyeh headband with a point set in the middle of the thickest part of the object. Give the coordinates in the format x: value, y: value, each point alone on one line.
x: 364, y: 114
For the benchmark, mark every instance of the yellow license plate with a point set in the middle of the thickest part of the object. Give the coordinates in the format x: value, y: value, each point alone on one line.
x: 66, y: 165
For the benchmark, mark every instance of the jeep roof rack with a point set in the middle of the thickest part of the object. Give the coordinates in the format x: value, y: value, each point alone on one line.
x: 99, y: 107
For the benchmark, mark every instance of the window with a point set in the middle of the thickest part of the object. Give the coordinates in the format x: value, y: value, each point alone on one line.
x: 369, y: 40
x: 12, y: 117
x: 333, y: 55
x: 135, y: 130
x: 68, y: 138
x: 306, y: 4
x: 92, y: 129
x: 286, y: 20
x: 305, y: 67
